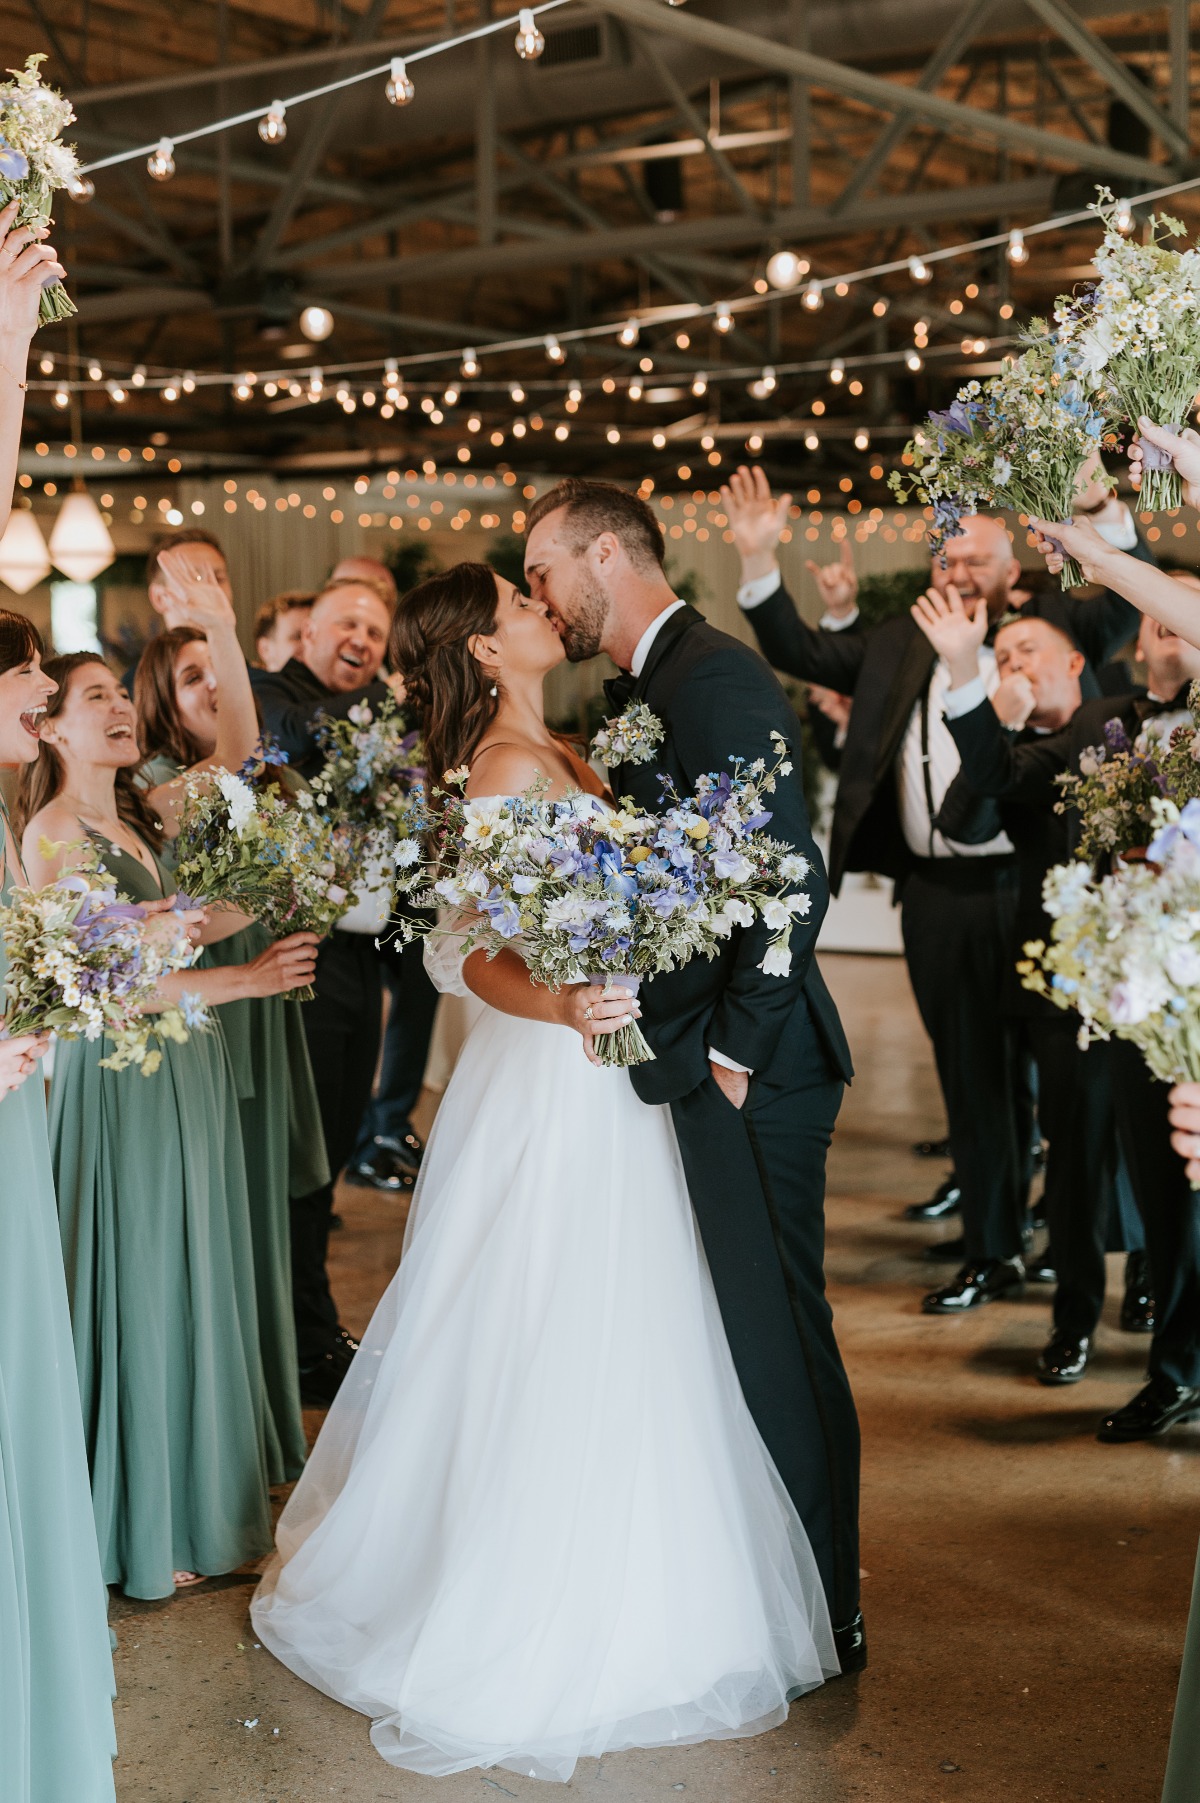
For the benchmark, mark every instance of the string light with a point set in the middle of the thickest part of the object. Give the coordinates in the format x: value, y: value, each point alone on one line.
x: 272, y: 127
x: 837, y: 370
x: 554, y: 349
x: 469, y: 365
x: 1123, y: 218
x: 913, y: 360
x: 170, y: 392
x: 316, y: 323
x: 1018, y: 250
x: 813, y: 298
x: 862, y: 439
x: 516, y: 394
x: 116, y: 393
x: 160, y: 164
x: 450, y: 397
x: 724, y: 318
x: 785, y: 269
x: 630, y: 332
x: 62, y: 397
x: 635, y: 391
x: 81, y: 189
x: 138, y: 378
x: 46, y: 363
x: 811, y: 442
x: 189, y: 381
x: 699, y: 384
x: 399, y: 88
x: 919, y: 270
x: 765, y: 385
x: 529, y: 41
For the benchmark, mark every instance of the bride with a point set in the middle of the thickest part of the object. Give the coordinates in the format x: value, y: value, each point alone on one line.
x: 539, y: 1523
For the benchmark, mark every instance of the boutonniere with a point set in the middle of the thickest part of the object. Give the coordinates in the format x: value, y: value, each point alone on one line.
x: 629, y: 738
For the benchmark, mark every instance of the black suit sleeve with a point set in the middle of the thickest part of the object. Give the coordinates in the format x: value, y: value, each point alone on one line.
x: 730, y: 703
x: 833, y: 659
x: 992, y: 764
x: 289, y: 719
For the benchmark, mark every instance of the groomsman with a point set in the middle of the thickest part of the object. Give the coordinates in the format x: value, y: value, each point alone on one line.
x: 1170, y: 1209
x: 339, y: 662
x: 958, y: 897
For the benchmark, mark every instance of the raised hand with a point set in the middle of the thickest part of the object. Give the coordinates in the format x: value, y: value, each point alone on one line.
x: 955, y: 631
x: 1014, y: 700
x: 1183, y: 448
x: 195, y: 590
x: 835, y: 707
x: 837, y: 583
x: 756, y: 519
x: 1059, y: 539
x: 26, y: 263
x: 19, y: 1059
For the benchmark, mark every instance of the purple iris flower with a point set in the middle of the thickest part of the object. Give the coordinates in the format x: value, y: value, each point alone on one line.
x: 1115, y: 736
x: 955, y: 418
x: 14, y: 166
x: 756, y: 821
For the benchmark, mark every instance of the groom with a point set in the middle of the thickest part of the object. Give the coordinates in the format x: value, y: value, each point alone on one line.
x: 752, y: 1066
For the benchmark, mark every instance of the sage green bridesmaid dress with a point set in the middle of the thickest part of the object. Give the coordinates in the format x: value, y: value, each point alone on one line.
x: 155, y: 1227
x: 56, y: 1676
x: 284, y: 1150
x: 1183, y: 1763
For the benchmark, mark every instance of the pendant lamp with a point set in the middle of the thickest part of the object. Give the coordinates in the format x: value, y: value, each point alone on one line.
x: 24, y: 560
x: 81, y: 544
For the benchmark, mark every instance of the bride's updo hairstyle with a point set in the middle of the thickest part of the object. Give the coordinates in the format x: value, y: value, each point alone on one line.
x: 451, y: 691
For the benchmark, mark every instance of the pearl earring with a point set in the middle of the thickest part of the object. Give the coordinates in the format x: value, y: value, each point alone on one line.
x: 494, y: 690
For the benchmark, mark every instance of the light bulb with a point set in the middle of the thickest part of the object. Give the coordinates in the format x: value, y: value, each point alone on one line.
x: 95, y: 371
x: 316, y: 323
x: 138, y: 378
x: 724, y: 319
x: 46, y: 363
x: 516, y: 394
x: 242, y: 391
x: 189, y: 382
x: 913, y: 361
x: 554, y: 349
x: 272, y: 127
x: 170, y: 392
x: 529, y: 40
x: 400, y: 89
x: 813, y: 297
x: 450, y: 398
x: 837, y: 370
x: 81, y: 188
x: 699, y: 384
x: 562, y: 433
x: 811, y: 441
x: 116, y: 393
x: 316, y: 384
x: 862, y: 439
x: 575, y: 393
x: 1123, y: 218
x: 630, y: 332
x: 786, y: 268
x: 1018, y: 251
x: 518, y: 428
x: 919, y: 270
x: 470, y: 364
x: 160, y: 164
x: 613, y: 435
x: 635, y: 391
x: 62, y: 397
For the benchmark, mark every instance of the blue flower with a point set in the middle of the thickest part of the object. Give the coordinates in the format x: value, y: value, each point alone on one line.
x: 14, y: 167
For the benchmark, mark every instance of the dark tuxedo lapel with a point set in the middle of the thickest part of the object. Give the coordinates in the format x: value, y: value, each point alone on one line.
x: 912, y: 674
x: 681, y: 621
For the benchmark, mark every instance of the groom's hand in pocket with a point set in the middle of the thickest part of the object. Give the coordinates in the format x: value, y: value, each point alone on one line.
x: 733, y: 1085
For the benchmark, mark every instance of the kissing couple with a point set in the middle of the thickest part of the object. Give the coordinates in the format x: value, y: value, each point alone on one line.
x: 592, y: 1479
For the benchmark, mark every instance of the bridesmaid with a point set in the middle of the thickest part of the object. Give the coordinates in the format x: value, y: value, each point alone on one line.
x: 56, y: 1725
x: 183, y: 677
x: 153, y: 1210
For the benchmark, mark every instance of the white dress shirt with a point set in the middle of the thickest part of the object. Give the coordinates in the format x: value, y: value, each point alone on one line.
x: 944, y: 762
x: 760, y: 588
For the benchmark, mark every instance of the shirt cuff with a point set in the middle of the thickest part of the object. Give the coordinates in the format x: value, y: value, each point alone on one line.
x: 838, y: 622
x: 759, y: 589
x: 729, y: 1064
x: 957, y: 702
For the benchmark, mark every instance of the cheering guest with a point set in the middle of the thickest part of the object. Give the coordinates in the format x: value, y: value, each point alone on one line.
x: 366, y: 569
x: 958, y: 898
x: 187, y: 681
x: 151, y: 1181
x: 164, y: 595
x: 341, y: 655
x: 279, y: 628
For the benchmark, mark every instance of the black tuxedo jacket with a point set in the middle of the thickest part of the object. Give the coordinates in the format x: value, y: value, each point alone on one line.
x: 886, y: 669
x: 714, y: 696
x: 289, y: 701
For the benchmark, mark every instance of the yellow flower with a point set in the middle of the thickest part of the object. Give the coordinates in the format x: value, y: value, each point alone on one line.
x: 698, y: 831
x: 640, y: 853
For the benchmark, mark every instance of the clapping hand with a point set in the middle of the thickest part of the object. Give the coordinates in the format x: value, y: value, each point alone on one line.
x: 1183, y: 448
x: 1059, y: 539
x: 955, y: 630
x: 19, y: 1058
x: 837, y: 583
x: 756, y: 519
x: 26, y: 264
x: 195, y: 589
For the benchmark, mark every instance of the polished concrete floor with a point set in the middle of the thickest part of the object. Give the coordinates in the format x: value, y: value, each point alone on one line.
x: 1025, y: 1587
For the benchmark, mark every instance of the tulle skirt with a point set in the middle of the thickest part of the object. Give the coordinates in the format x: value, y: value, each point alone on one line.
x: 539, y: 1522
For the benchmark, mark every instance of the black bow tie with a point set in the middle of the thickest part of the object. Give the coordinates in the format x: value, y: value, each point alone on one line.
x: 1148, y: 706
x: 618, y: 691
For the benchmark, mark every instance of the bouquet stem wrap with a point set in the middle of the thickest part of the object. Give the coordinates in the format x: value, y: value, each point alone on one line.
x: 628, y: 1045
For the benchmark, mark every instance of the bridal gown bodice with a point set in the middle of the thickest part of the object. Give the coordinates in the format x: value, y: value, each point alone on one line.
x: 539, y: 1523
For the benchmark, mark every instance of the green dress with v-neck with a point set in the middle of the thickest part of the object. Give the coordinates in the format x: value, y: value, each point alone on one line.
x: 1183, y: 1763
x: 155, y: 1226
x: 284, y: 1149
x: 56, y: 1676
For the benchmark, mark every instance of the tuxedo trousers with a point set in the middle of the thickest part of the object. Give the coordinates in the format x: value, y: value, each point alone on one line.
x: 1170, y: 1211
x: 958, y: 923
x: 756, y: 1177
x: 341, y: 1027
x: 411, y: 1007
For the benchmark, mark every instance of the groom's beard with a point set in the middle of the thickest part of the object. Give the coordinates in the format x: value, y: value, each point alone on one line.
x: 582, y: 634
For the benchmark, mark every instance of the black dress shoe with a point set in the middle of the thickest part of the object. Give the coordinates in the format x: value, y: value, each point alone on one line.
x: 1137, y: 1306
x: 384, y: 1170
x: 932, y: 1148
x: 1153, y: 1410
x: 1042, y: 1269
x: 343, y: 1349
x: 408, y: 1147
x: 850, y: 1645
x: 321, y: 1381
x: 1063, y: 1361
x: 975, y: 1285
x: 944, y: 1201
x: 945, y: 1250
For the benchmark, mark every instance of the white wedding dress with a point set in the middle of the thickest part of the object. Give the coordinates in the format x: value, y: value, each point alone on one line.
x: 539, y: 1523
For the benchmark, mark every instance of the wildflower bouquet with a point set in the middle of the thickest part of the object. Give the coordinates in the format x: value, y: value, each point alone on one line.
x: 611, y: 895
x: 370, y: 790
x: 1125, y: 951
x: 250, y: 848
x: 34, y: 163
x: 1017, y: 441
x: 1121, y: 782
x: 81, y: 963
x: 1135, y: 336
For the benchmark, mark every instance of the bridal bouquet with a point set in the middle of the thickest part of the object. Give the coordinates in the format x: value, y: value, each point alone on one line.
x: 1017, y: 441
x: 1125, y: 951
x: 1135, y: 336
x: 34, y: 163
x: 82, y: 963
x: 371, y: 790
x: 1122, y: 782
x: 614, y: 896
x: 249, y: 847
